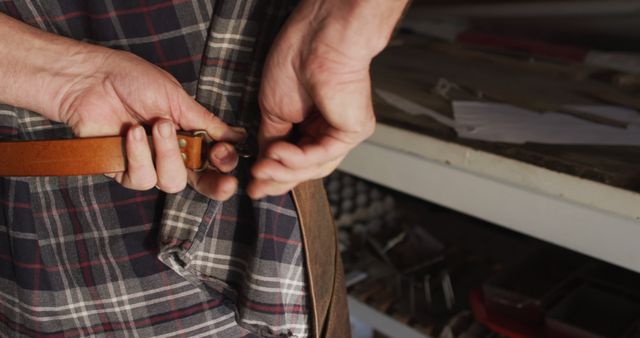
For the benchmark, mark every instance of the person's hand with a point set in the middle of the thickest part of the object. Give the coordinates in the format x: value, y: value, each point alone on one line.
x: 99, y: 91
x: 124, y: 92
x: 317, y: 78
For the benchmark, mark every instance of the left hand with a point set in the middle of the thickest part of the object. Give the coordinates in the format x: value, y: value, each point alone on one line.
x: 121, y: 93
x: 317, y: 77
x: 99, y: 91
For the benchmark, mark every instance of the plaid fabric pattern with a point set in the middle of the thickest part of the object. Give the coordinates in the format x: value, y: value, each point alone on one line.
x: 83, y: 256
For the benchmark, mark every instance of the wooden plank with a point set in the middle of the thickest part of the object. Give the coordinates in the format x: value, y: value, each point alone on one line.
x: 497, y: 9
x: 592, y: 218
x: 412, y: 69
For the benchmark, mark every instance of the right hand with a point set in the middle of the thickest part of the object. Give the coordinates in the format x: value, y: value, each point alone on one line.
x: 116, y: 92
x: 317, y: 78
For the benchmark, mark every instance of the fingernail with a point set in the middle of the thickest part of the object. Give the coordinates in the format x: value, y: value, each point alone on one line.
x: 239, y: 134
x: 166, y: 129
x: 138, y: 133
x: 222, y: 154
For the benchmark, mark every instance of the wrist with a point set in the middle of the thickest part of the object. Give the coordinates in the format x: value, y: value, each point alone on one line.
x: 364, y: 26
x: 38, y: 67
x: 79, y: 68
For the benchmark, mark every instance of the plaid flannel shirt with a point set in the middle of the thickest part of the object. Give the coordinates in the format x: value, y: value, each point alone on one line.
x: 83, y: 256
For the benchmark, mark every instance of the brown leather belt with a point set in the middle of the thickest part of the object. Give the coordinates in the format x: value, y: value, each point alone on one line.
x: 85, y: 156
x: 99, y: 155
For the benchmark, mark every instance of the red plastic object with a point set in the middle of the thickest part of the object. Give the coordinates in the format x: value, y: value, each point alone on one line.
x: 533, y: 47
x: 500, y: 324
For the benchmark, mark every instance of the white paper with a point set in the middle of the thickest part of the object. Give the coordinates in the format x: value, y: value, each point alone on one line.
x: 498, y: 122
x: 624, y: 62
x: 413, y: 108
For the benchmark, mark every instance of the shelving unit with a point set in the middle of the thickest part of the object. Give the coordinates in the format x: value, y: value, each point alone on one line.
x: 530, y: 8
x: 381, y: 322
x: 586, y: 216
x: 584, y: 198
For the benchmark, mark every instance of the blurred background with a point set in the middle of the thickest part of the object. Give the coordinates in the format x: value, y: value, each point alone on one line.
x: 500, y: 193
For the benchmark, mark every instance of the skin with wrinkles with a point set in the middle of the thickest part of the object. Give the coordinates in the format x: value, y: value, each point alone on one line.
x: 99, y: 91
x: 316, y: 78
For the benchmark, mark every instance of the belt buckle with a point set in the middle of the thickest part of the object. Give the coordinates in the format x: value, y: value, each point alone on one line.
x: 243, y: 149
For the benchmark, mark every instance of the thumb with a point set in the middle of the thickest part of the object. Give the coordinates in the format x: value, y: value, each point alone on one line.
x: 194, y: 116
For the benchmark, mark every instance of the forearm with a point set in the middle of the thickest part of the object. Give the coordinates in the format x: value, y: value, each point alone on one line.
x: 37, y: 66
x: 363, y: 27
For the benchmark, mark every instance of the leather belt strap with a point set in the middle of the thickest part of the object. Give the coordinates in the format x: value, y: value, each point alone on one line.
x: 84, y: 156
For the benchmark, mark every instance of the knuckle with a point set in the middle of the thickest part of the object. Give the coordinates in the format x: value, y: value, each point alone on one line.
x: 219, y: 195
x: 222, y: 193
x: 369, y: 127
x: 363, y: 124
x: 283, y: 176
x: 146, y: 183
x: 167, y: 153
x: 326, y: 172
x: 269, y: 104
x: 172, y: 186
x: 172, y: 189
x: 272, y: 153
x: 360, y: 127
x: 302, y: 175
x: 139, y: 181
x: 265, y: 100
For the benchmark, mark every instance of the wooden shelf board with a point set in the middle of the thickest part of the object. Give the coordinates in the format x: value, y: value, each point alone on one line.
x: 586, y: 216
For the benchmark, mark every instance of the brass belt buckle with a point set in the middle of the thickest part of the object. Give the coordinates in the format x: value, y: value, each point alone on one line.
x: 243, y: 149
